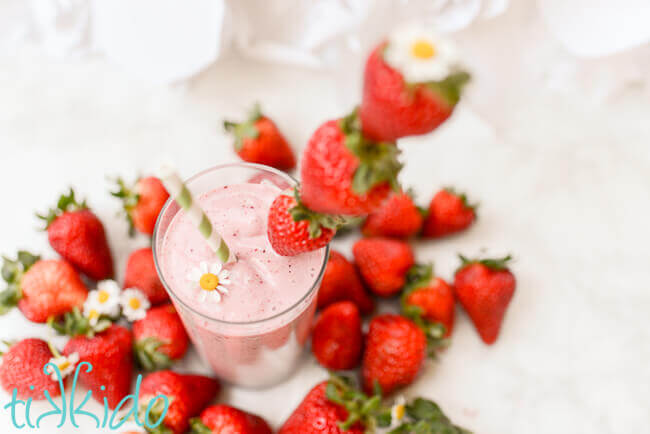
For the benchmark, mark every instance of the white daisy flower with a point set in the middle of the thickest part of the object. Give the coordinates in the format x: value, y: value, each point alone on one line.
x: 420, y: 54
x: 105, y: 300
x: 134, y: 304
x: 397, y: 412
x: 211, y: 280
x: 66, y: 365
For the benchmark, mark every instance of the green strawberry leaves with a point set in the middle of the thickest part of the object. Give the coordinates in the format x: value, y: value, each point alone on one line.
x: 245, y: 130
x: 317, y: 221
x: 66, y: 203
x: 494, y: 264
x: 418, y: 276
x: 368, y: 411
x: 426, y: 417
x: 451, y: 88
x: 12, y: 272
x: 148, y: 356
x: 198, y: 427
x: 377, y: 161
x: 74, y: 323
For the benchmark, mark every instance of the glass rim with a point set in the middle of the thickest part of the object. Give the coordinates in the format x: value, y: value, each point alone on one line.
x: 170, y: 200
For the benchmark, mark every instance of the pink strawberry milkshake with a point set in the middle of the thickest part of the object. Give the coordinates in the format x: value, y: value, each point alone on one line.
x: 251, y: 330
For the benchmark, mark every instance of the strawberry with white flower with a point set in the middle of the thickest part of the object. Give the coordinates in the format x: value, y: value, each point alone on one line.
x: 65, y: 364
x: 211, y: 280
x: 134, y: 304
x: 412, y: 83
x: 397, y: 412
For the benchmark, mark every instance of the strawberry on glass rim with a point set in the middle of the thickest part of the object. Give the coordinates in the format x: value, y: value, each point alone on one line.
x: 412, y: 83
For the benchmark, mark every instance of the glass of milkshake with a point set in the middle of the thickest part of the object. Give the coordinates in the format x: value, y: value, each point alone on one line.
x: 253, y: 334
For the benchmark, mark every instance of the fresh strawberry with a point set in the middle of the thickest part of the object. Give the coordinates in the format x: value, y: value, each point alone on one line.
x: 142, y: 202
x: 110, y: 354
x: 383, y: 264
x: 449, y: 212
x: 22, y: 369
x: 337, y: 338
x: 141, y: 273
x: 78, y: 236
x: 343, y: 173
x: 395, y: 350
x: 160, y: 338
x: 294, y: 229
x: 484, y: 288
x: 335, y: 407
x: 224, y: 419
x: 398, y: 217
x: 258, y: 140
x: 392, y: 108
x: 272, y: 178
x: 41, y: 288
x: 430, y: 303
x: 341, y: 282
x: 186, y: 394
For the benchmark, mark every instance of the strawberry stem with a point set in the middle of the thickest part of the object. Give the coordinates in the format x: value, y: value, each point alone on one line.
x: 495, y: 264
x: 66, y: 203
x: 148, y: 356
x: 129, y: 199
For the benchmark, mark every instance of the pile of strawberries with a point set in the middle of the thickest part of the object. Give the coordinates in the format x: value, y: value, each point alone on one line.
x: 349, y: 177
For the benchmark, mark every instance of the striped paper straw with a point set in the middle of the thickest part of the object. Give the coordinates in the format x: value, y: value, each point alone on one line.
x: 183, y: 197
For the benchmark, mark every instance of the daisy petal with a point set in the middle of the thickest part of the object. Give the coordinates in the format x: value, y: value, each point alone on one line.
x: 215, y: 268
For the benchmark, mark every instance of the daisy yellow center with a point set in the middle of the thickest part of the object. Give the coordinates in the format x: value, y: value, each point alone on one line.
x: 93, y: 314
x: 399, y: 412
x: 134, y: 303
x: 209, y: 282
x: 103, y: 296
x: 423, y: 49
x: 64, y: 365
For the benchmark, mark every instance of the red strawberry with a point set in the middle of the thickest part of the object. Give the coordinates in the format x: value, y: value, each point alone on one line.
x: 392, y: 108
x: 160, y: 338
x: 141, y: 273
x: 484, y: 288
x: 335, y: 407
x: 41, y: 288
x: 383, y: 264
x: 398, y: 217
x: 294, y: 229
x: 78, y: 236
x: 258, y: 140
x: 186, y: 394
x: 341, y: 282
x: 343, y: 173
x: 395, y: 350
x: 223, y: 419
x: 110, y: 354
x: 22, y: 366
x: 336, y: 340
x: 449, y: 212
x: 429, y: 300
x: 142, y: 202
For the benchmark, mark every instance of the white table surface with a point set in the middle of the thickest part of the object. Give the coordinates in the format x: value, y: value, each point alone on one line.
x: 568, y: 198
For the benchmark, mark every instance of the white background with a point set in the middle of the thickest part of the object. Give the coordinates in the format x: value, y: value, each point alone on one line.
x: 560, y: 167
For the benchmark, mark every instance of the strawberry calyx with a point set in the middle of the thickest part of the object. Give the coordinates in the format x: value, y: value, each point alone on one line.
x: 74, y: 323
x: 463, y: 198
x: 377, y: 160
x: 361, y: 408
x: 153, y: 415
x: 425, y: 416
x: 66, y: 203
x: 494, y: 264
x: 419, y: 276
x: 317, y: 221
x: 12, y: 273
x: 245, y: 130
x: 148, y: 356
x: 7, y: 345
x: 198, y: 427
x: 451, y: 87
x: 130, y: 199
